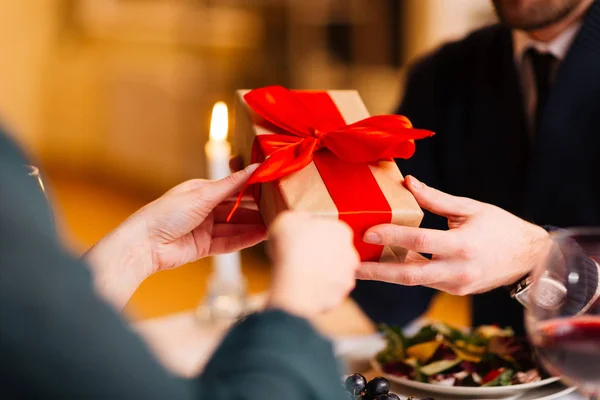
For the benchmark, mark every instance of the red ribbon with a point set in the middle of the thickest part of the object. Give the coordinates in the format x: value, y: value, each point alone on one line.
x: 311, y: 128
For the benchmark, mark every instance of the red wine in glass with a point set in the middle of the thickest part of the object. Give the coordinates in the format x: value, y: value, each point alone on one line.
x: 566, y: 330
x: 571, y: 347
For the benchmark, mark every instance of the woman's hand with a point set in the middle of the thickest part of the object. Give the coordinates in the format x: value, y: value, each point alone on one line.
x: 182, y: 226
x: 315, y: 263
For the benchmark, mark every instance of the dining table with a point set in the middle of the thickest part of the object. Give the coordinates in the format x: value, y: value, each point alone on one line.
x: 184, y: 341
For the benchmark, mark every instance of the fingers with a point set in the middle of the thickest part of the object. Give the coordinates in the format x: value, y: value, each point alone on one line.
x: 216, y: 192
x: 242, y: 215
x: 187, y: 186
x: 229, y: 244
x: 437, y: 201
x: 289, y: 220
x: 228, y: 229
x: 421, y: 240
x: 408, y: 274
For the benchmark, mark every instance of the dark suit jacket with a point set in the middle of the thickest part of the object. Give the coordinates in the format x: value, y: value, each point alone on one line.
x: 59, y: 341
x: 468, y: 92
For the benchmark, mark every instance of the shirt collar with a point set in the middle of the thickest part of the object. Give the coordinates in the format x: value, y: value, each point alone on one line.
x: 558, y: 47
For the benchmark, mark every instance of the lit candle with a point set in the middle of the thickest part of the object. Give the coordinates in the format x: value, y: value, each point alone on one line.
x: 218, y: 151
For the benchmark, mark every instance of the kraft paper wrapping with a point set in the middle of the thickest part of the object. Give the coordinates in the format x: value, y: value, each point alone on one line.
x: 305, y: 190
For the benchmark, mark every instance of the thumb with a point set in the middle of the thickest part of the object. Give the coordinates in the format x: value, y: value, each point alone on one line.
x: 216, y: 192
x: 438, y: 202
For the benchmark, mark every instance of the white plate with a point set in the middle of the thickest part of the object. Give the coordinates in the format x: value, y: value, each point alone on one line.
x: 471, y: 392
x: 548, y: 392
x: 551, y: 392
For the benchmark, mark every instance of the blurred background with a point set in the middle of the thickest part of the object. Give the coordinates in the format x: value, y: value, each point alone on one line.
x: 112, y: 98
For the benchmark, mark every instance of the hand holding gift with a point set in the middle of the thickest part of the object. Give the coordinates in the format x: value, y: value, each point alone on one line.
x: 485, y: 248
x: 321, y: 153
x: 183, y: 225
x: 306, y: 283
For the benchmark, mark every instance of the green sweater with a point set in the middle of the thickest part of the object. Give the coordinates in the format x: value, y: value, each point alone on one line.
x: 58, y: 340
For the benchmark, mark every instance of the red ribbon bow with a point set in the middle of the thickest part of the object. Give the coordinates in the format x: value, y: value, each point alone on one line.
x: 370, y: 140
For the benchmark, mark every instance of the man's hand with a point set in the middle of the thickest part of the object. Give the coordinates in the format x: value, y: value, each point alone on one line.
x: 184, y: 225
x: 315, y: 263
x: 485, y: 248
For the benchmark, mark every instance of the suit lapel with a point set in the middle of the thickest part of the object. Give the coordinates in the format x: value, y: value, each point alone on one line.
x: 577, y: 81
x: 567, y: 140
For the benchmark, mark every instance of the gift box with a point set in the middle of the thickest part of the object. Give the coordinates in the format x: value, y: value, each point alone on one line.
x: 321, y: 153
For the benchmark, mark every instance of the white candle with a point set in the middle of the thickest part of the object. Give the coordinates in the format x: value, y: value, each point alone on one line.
x: 218, y: 151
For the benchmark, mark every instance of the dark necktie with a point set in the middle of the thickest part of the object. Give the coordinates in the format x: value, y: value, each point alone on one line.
x: 543, y: 66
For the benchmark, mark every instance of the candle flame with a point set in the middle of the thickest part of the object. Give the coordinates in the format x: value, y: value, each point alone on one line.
x: 219, y: 122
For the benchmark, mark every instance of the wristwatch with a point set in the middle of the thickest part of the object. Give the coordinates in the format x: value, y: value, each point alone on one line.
x: 550, y: 295
x: 520, y: 290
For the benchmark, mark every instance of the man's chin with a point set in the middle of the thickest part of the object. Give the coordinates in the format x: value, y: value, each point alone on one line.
x: 529, y: 26
x: 538, y: 15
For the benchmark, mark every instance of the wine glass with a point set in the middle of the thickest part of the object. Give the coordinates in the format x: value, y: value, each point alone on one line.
x: 563, y: 317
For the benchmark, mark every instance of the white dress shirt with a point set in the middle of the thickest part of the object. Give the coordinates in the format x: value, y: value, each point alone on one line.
x: 558, y: 47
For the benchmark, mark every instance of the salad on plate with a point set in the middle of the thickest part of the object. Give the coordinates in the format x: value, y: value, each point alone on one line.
x: 440, y: 354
